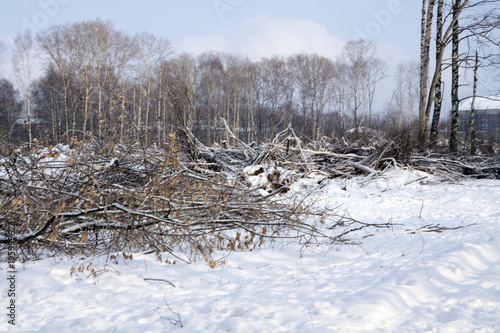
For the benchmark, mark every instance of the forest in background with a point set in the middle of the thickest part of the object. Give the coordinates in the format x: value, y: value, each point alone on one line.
x: 97, y: 81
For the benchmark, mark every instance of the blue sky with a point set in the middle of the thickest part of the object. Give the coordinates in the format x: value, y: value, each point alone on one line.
x: 253, y: 28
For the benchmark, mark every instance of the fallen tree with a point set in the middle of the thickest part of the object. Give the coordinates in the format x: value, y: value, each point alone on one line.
x: 95, y: 198
x: 189, y: 200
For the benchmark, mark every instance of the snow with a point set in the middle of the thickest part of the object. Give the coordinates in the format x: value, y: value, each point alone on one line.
x: 481, y: 103
x: 403, y: 279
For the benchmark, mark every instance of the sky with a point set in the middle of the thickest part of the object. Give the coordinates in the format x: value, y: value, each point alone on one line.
x: 251, y: 28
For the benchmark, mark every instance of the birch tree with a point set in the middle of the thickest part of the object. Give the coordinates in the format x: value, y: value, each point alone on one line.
x: 313, y: 76
x: 481, y: 22
x: 438, y: 95
x: 180, y: 84
x: 83, y: 75
x: 236, y: 67
x: 113, y: 50
x: 274, y: 85
x: 405, y: 96
x: 151, y: 51
x: 57, y: 43
x: 357, y: 73
x: 425, y: 41
x: 212, y: 74
x: 250, y: 94
x: 24, y: 53
x: 473, y: 136
x: 455, y: 78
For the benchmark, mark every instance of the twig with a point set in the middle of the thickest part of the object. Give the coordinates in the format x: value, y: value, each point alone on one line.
x: 415, y: 180
x: 160, y: 280
x: 362, y: 167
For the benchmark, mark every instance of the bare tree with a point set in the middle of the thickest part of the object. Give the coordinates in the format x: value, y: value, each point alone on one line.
x: 83, y: 78
x: 151, y: 51
x: 236, y: 68
x: 425, y: 41
x: 2, y: 51
x: 90, y: 58
x: 274, y: 85
x: 404, y: 98
x: 438, y: 96
x: 212, y: 74
x: 376, y: 72
x: 357, y: 73
x: 57, y: 44
x: 180, y: 84
x: 481, y: 22
x: 112, y: 50
x: 251, y: 92
x: 473, y: 136
x: 313, y: 76
x: 10, y: 106
x: 455, y: 78
x: 25, y: 49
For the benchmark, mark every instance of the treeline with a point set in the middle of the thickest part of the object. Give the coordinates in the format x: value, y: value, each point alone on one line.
x: 98, y: 81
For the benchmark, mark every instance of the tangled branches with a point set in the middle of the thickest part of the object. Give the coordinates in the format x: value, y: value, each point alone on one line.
x: 93, y: 198
x: 188, y: 200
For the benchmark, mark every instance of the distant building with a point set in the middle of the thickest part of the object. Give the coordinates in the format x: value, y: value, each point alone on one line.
x: 40, y: 130
x: 487, y: 119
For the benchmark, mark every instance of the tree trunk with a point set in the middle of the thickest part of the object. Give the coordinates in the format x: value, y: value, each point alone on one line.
x: 28, y: 97
x: 438, y: 95
x: 455, y: 80
x: 55, y: 134
x: 209, y: 119
x: 425, y: 40
x: 139, y: 105
x: 473, y: 138
x: 148, y: 103
x: 159, y: 114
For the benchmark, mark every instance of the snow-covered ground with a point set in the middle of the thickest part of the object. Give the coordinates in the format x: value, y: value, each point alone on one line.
x: 403, y: 279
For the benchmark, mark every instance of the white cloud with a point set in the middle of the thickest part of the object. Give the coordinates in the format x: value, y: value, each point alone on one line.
x: 393, y: 54
x: 198, y: 45
x: 265, y: 36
